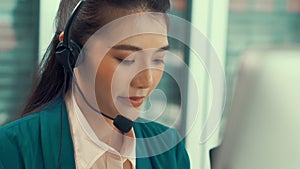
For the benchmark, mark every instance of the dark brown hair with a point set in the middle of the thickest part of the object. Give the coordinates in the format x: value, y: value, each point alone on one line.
x: 92, y: 16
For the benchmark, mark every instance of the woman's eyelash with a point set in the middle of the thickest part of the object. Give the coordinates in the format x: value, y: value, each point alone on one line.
x: 125, y: 61
x: 128, y: 62
x: 160, y: 61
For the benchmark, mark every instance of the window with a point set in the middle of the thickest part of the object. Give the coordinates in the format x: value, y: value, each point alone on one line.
x: 18, y: 54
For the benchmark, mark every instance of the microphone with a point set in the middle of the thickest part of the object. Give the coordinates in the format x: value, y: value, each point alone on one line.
x: 122, y: 123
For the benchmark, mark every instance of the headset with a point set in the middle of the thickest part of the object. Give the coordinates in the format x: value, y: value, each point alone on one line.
x: 66, y: 54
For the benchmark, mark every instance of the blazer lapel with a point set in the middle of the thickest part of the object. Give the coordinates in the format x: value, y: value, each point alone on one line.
x: 52, y: 118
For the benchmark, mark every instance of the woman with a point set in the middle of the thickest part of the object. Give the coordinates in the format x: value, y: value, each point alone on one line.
x: 64, y: 126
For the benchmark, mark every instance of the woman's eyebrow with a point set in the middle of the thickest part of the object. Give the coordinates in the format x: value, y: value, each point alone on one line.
x: 135, y: 48
x: 163, y: 48
x: 127, y: 47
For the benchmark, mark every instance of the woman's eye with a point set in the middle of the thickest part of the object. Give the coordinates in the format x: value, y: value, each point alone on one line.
x: 125, y: 61
x: 159, y: 61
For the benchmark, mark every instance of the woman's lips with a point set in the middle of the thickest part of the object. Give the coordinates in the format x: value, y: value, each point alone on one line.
x: 134, y: 101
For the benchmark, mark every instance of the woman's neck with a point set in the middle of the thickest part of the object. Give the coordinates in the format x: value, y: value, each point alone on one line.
x: 103, y: 127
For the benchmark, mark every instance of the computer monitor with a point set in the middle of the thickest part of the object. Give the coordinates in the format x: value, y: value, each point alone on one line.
x: 263, y: 125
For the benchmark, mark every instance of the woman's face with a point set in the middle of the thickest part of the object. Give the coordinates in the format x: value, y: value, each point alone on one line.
x: 128, y: 73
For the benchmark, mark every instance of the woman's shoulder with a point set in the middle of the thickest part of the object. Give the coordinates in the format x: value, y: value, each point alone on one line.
x: 19, y: 139
x: 20, y: 123
x: 17, y: 134
x: 26, y: 123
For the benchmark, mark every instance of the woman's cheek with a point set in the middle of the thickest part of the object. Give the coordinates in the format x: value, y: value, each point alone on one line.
x: 158, y: 77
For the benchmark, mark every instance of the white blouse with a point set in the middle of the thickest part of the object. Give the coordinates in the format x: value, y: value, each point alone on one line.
x: 90, y: 151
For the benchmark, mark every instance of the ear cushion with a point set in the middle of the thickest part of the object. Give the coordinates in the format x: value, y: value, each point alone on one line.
x: 67, y: 55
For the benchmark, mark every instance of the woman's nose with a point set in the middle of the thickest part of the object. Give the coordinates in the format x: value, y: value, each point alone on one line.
x: 143, y: 79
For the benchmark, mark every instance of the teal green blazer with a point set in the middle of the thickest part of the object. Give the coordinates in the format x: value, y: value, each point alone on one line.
x: 33, y: 142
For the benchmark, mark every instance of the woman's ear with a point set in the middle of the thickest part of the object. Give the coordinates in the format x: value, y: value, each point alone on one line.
x: 61, y: 36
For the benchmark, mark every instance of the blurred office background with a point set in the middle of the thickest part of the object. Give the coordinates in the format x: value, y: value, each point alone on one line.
x: 232, y: 26
x: 19, y: 39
